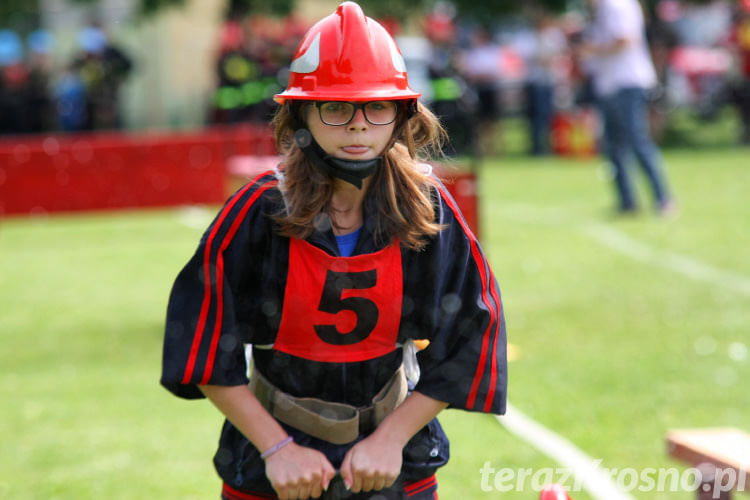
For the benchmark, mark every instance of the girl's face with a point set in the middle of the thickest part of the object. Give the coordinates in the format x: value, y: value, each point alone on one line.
x: 357, y: 140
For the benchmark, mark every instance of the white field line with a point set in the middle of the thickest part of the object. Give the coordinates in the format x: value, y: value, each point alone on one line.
x: 587, y: 472
x: 625, y: 245
x: 689, y: 267
x: 585, y: 469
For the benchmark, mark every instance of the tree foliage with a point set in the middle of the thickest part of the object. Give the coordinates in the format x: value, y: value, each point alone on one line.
x: 398, y: 9
x: 145, y: 7
x: 20, y: 15
x: 149, y: 7
x: 274, y: 8
x: 486, y: 10
x: 23, y: 14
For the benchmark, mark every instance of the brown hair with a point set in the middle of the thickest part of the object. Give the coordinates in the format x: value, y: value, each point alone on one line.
x: 399, y: 191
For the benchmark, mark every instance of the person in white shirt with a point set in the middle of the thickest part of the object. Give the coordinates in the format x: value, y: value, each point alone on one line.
x: 622, y: 72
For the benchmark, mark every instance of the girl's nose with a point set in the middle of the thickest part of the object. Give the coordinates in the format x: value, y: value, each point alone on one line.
x: 358, y: 121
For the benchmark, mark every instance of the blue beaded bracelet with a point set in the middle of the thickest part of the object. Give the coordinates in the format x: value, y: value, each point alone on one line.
x: 273, y: 449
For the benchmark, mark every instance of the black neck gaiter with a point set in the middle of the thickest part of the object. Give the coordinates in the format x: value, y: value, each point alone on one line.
x: 351, y: 171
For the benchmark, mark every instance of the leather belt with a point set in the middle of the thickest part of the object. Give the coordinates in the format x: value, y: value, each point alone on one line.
x: 337, y: 423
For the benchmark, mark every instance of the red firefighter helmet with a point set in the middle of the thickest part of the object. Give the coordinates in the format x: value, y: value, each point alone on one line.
x: 347, y: 57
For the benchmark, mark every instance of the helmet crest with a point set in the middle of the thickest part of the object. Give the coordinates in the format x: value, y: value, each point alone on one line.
x: 347, y: 56
x: 309, y: 61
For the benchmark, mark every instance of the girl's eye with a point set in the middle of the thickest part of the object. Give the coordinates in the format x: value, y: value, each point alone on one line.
x: 332, y: 107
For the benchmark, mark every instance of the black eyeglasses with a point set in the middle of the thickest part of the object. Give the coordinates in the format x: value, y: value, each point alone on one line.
x: 342, y: 112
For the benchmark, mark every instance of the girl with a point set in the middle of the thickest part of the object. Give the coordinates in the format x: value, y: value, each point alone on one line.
x: 329, y: 267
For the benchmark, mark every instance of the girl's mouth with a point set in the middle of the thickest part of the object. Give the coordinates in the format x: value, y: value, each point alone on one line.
x: 355, y: 149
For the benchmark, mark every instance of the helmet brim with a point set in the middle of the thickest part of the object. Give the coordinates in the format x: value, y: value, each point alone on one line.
x: 346, y: 94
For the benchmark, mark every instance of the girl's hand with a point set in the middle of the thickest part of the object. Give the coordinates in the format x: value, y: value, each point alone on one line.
x: 299, y: 472
x: 372, y: 464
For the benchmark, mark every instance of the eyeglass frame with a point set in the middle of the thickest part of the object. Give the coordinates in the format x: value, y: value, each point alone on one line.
x: 357, y: 106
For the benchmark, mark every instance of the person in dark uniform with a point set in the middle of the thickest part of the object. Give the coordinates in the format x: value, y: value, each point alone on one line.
x: 103, y: 67
x: 39, y: 103
x: 329, y: 267
x: 14, y: 78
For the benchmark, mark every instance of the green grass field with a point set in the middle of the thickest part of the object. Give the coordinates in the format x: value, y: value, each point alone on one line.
x: 624, y: 327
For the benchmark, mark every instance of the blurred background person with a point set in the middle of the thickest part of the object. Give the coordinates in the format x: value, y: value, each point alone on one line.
x: 662, y: 40
x: 69, y: 96
x: 14, y: 76
x: 740, y: 43
x: 480, y: 64
x: 235, y: 70
x: 253, y: 57
x: 103, y: 68
x: 450, y: 97
x: 40, y: 106
x: 544, y: 51
x: 622, y: 72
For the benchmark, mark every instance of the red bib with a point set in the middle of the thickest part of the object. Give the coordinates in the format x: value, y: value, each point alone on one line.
x: 340, y: 309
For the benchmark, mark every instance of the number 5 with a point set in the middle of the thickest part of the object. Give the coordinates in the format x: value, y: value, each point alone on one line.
x: 332, y: 301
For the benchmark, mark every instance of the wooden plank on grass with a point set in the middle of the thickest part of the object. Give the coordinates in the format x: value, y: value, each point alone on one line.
x: 725, y: 448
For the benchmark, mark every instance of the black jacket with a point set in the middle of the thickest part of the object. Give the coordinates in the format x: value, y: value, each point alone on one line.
x: 327, y: 326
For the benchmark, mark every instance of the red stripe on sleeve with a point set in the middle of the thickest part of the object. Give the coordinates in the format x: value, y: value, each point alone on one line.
x: 493, y: 383
x: 480, y: 261
x: 233, y: 494
x: 412, y: 488
x: 220, y: 278
x: 198, y: 335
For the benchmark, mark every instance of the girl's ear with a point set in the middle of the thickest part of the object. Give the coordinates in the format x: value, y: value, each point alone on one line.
x: 412, y: 108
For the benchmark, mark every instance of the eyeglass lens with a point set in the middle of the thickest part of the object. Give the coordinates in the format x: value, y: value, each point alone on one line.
x: 342, y: 112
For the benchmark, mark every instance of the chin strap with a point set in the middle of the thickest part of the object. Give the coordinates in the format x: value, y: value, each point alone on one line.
x: 351, y: 171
